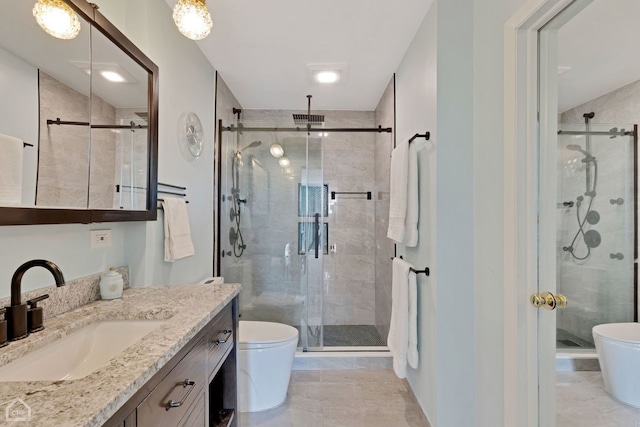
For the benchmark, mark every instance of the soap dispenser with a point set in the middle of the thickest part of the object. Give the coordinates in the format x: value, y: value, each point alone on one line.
x: 111, y: 284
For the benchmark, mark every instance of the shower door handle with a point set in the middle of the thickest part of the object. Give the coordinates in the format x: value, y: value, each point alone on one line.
x: 317, y: 232
x: 548, y: 300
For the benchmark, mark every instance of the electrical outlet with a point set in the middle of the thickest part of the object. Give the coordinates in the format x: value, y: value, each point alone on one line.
x: 100, y: 239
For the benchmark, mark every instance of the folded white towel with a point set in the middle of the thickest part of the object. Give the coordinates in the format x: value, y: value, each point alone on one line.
x: 11, y: 164
x: 177, y: 232
x: 413, y: 197
x: 412, y: 351
x: 403, y: 336
x: 398, y: 191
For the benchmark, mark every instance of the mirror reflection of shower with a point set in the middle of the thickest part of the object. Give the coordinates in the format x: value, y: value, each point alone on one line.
x: 591, y: 238
x: 235, y: 232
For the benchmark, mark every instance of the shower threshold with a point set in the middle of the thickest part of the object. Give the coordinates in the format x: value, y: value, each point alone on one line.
x: 343, y: 349
x: 348, y: 359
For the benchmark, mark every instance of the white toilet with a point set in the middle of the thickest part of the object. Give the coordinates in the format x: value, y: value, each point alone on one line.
x: 266, y: 356
x: 618, y: 347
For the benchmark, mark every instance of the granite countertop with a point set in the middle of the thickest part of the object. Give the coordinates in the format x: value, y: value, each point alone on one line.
x: 92, y: 400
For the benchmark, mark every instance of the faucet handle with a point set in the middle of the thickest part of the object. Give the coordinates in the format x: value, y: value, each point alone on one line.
x: 33, y: 303
x: 35, y: 315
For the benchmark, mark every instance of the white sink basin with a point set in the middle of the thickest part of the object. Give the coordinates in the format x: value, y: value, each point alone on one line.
x: 80, y: 353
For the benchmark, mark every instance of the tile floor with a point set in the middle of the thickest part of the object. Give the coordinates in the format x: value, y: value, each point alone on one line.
x: 343, y: 398
x: 582, y: 401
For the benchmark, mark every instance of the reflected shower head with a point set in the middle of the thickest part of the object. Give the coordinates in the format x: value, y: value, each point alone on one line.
x: 576, y: 147
x: 252, y: 145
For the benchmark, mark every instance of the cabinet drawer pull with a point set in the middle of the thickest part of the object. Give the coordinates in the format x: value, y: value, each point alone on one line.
x: 227, y: 333
x: 187, y: 383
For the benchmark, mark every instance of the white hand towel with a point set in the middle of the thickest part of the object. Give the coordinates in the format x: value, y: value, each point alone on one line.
x: 412, y: 352
x: 11, y: 163
x: 398, y: 192
x: 413, y: 196
x: 398, y: 339
x: 177, y: 232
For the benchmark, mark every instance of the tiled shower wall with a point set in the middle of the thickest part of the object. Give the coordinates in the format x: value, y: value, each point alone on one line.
x: 385, y: 117
x: 64, y: 150
x: 271, y: 270
x: 599, y: 289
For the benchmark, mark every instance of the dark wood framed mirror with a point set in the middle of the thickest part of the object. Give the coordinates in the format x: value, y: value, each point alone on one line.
x: 89, y: 139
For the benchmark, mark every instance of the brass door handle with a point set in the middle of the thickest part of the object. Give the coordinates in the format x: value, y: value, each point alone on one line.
x: 548, y: 300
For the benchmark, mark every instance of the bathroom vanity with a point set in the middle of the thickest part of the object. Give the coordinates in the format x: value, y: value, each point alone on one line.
x: 195, y: 388
x: 183, y: 373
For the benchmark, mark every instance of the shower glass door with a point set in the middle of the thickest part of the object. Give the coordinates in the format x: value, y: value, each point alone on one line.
x: 595, y: 231
x: 273, y: 229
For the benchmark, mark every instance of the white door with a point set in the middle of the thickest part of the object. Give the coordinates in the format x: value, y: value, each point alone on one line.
x: 598, y: 246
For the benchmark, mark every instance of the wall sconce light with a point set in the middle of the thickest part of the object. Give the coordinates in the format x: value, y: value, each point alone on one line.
x: 192, y: 18
x: 57, y: 19
x: 276, y: 150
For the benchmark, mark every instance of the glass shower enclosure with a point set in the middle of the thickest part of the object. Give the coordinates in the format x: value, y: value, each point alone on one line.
x: 279, y: 233
x: 597, y: 230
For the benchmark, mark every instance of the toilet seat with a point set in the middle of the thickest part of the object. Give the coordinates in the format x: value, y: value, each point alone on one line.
x: 261, y: 335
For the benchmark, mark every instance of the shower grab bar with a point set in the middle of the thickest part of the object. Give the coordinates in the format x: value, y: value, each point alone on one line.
x: 333, y: 193
x: 425, y: 271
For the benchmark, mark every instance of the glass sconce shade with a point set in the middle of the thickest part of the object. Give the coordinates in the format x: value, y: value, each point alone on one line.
x: 192, y: 18
x: 57, y: 18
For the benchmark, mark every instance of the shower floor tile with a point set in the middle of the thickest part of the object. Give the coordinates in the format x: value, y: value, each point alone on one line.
x: 372, y: 398
x: 566, y: 340
x: 345, y: 336
x: 352, y: 336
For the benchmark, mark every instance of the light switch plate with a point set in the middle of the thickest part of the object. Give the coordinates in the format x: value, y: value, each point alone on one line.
x: 100, y: 239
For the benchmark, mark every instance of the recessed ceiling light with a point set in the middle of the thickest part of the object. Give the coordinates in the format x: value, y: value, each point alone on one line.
x: 109, y: 71
x: 327, y: 76
x: 327, y: 73
x: 112, y: 76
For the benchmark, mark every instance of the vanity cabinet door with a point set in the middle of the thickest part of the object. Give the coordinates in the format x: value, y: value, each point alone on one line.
x: 171, y: 401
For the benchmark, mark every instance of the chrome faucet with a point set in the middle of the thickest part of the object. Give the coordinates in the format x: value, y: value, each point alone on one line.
x: 16, y: 314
